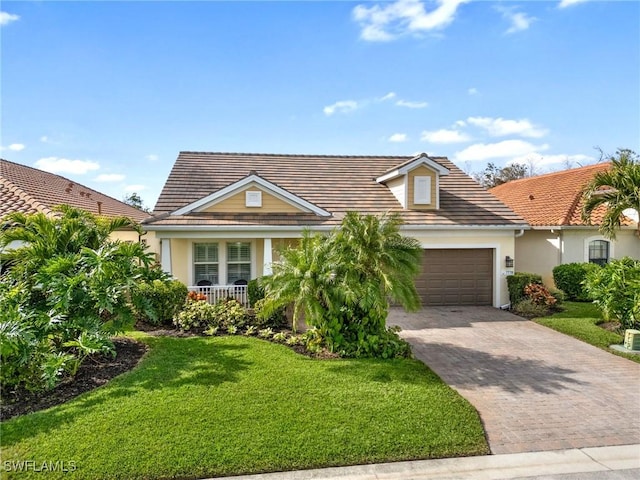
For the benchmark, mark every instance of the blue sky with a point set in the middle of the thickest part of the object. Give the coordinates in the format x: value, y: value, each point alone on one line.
x: 108, y: 93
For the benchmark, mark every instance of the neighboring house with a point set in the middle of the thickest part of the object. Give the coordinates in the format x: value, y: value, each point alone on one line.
x: 552, y: 205
x: 29, y: 190
x: 221, y: 218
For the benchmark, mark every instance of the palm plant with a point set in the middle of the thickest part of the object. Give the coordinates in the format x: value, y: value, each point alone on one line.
x: 618, y: 189
x: 304, y: 278
x: 379, y: 260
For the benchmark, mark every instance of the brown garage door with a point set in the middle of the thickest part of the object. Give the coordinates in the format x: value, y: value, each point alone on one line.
x: 456, y: 276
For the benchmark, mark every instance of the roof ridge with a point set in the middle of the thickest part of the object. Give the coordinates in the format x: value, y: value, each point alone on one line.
x: 559, y: 172
x: 304, y: 155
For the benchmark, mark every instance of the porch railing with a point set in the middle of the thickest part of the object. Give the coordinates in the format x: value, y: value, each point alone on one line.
x: 215, y: 293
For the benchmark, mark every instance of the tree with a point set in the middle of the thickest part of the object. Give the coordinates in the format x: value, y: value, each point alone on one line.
x: 493, y: 176
x: 617, y: 190
x: 342, y: 283
x: 135, y: 201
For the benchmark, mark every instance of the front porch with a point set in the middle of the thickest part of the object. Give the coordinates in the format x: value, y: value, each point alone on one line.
x: 215, y: 293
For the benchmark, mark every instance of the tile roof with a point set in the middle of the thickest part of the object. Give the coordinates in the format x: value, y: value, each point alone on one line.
x: 553, y: 199
x: 335, y: 183
x: 29, y: 190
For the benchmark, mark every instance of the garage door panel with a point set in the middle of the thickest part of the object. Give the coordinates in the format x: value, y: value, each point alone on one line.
x: 456, y: 277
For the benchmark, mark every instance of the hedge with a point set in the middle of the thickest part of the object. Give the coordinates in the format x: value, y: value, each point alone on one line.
x: 517, y: 282
x: 569, y: 278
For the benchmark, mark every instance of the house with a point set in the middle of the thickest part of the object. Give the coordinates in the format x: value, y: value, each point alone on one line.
x: 552, y: 205
x: 29, y: 190
x: 222, y: 218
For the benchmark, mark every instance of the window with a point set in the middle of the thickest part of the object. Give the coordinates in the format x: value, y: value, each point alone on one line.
x: 599, y: 252
x: 238, y: 262
x: 422, y: 190
x: 205, y: 263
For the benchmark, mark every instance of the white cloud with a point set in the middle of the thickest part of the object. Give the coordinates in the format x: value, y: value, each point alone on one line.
x: 398, y: 137
x: 444, y: 136
x: 44, y: 139
x: 472, y: 91
x: 519, y: 21
x: 541, y: 160
x: 152, y: 157
x: 500, y: 127
x: 65, y: 165
x: 343, y: 106
x: 568, y: 3
x: 504, y: 149
x: 14, y: 147
x: 381, y: 23
x: 388, y: 96
x: 135, y: 188
x: 110, y: 177
x: 407, y: 104
x: 7, y: 18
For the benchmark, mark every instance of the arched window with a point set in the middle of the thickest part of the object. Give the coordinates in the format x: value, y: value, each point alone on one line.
x: 599, y: 252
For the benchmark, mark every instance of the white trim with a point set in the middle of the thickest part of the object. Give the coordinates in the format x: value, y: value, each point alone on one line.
x: 422, y: 196
x: 235, y: 187
x: 437, y: 192
x: 165, y: 255
x: 320, y: 228
x: 497, y: 256
x: 418, y: 161
x: 267, y: 256
x: 253, y: 198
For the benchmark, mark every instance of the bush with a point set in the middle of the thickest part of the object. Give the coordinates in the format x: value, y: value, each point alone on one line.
x: 255, y: 291
x: 517, y: 282
x: 230, y: 315
x: 276, y: 319
x: 157, y: 302
x: 614, y: 288
x: 569, y: 278
x: 529, y: 309
x: 540, y: 295
x: 196, y: 314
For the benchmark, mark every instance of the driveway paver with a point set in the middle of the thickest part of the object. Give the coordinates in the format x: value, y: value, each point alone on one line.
x: 535, y: 389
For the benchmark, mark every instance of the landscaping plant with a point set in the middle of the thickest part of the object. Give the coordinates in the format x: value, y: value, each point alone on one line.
x: 342, y: 284
x: 569, y: 278
x: 615, y: 289
x: 65, y: 290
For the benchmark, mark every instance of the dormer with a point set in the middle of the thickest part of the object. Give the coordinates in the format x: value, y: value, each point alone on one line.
x: 252, y: 194
x: 416, y: 183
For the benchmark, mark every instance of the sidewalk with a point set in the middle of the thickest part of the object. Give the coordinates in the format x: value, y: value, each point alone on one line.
x: 490, y: 467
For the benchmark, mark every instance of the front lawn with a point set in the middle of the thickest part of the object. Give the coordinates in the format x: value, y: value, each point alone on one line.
x: 581, y: 320
x: 199, y: 407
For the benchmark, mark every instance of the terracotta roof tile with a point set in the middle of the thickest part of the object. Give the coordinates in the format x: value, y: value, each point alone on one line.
x: 335, y: 183
x: 554, y: 199
x: 26, y: 189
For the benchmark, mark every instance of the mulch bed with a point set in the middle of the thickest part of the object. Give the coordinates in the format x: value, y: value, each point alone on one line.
x: 93, y: 373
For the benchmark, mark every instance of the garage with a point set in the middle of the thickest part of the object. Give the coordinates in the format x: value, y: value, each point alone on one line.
x: 456, y: 276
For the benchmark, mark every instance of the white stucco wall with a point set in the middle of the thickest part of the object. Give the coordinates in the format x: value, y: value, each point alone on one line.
x: 539, y: 251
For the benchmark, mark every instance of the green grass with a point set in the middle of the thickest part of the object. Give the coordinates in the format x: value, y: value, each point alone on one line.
x: 199, y: 407
x: 580, y: 320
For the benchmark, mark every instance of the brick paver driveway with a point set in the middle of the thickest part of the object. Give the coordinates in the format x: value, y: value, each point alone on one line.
x: 535, y: 389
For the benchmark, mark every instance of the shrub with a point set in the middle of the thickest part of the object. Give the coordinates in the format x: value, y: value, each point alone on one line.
x: 255, y: 291
x: 275, y: 319
x: 196, y: 314
x: 517, y: 282
x: 569, y: 278
x: 614, y: 289
x: 529, y: 309
x: 540, y: 295
x: 157, y: 302
x: 230, y: 313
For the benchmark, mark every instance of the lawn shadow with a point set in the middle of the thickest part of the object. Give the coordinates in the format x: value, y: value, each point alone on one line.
x: 171, y: 363
x: 385, y: 371
x: 467, y: 368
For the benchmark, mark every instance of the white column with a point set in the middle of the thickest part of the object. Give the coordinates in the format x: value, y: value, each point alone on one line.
x: 165, y: 255
x: 267, y: 257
